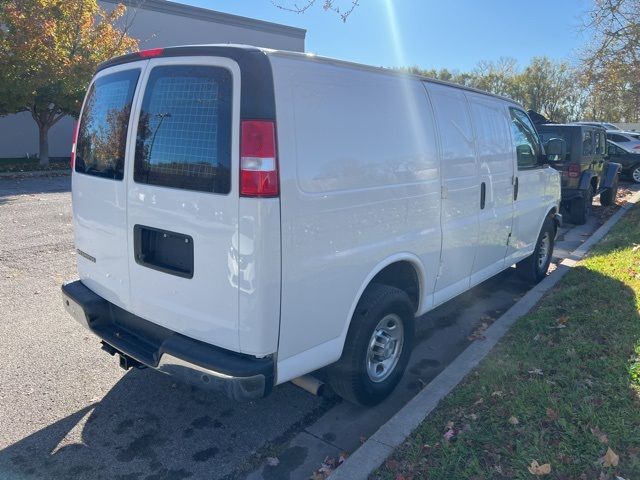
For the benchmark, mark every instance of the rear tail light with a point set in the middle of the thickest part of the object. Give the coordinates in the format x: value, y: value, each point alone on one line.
x: 150, y: 53
x: 258, y: 159
x: 573, y: 170
x: 72, y: 159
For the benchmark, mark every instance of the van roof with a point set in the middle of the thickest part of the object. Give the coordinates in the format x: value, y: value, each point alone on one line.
x: 208, y: 49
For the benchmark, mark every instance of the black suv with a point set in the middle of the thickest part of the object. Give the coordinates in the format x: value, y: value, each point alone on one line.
x: 584, y: 168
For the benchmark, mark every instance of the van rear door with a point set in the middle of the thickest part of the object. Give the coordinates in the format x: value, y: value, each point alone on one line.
x: 182, y: 197
x: 99, y: 182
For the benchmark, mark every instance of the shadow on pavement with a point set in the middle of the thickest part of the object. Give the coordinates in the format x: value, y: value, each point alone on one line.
x: 148, y: 427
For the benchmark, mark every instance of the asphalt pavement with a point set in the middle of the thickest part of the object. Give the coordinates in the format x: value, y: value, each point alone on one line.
x: 67, y: 411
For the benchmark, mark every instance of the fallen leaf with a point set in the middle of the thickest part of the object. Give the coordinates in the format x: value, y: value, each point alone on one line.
x: 449, y: 434
x: 536, y: 371
x: 635, y: 248
x: 536, y: 469
x: 552, y: 414
x: 610, y: 458
x: 513, y: 420
x: 497, y: 393
x: 479, y: 401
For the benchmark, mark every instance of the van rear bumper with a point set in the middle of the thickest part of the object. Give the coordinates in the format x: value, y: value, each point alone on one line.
x: 141, y: 343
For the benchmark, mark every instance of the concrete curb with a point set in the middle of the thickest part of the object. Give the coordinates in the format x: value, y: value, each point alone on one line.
x: 392, y: 434
x: 36, y: 173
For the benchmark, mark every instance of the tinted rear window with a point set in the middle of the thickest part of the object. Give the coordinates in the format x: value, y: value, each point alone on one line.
x: 184, y: 132
x: 102, y: 134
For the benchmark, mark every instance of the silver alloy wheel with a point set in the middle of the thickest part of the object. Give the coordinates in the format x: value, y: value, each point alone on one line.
x: 636, y: 175
x: 385, y: 348
x: 545, y: 250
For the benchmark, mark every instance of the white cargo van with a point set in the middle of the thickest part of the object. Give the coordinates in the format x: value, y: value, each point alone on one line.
x: 244, y: 216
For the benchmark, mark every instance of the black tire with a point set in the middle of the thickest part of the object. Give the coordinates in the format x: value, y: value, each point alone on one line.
x: 531, y: 269
x: 349, y: 376
x: 608, y: 197
x: 634, y: 173
x: 581, y: 207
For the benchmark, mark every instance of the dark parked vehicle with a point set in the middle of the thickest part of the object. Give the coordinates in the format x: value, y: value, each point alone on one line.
x: 629, y: 161
x: 585, y: 169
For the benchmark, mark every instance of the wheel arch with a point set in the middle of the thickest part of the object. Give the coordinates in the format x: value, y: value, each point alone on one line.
x: 398, y: 261
x: 587, y: 180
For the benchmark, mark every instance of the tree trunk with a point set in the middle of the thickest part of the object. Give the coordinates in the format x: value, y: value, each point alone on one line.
x: 43, y: 137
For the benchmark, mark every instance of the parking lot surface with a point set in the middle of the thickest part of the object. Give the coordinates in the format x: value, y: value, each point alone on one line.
x: 68, y: 411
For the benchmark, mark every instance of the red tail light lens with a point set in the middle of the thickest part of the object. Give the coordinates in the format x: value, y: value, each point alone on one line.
x: 72, y: 159
x: 150, y: 53
x: 258, y: 159
x: 574, y: 170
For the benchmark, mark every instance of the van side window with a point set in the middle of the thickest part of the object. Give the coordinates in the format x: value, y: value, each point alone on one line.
x: 184, y: 131
x: 526, y: 139
x: 102, y: 132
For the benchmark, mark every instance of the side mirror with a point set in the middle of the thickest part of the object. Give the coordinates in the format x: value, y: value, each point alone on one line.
x: 556, y: 149
x: 524, y: 150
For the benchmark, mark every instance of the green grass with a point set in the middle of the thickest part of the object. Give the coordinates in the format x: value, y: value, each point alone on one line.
x: 32, y: 164
x: 574, y: 390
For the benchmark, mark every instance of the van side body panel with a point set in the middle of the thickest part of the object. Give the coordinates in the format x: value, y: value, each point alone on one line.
x: 357, y: 187
x: 460, y: 190
x: 497, y: 165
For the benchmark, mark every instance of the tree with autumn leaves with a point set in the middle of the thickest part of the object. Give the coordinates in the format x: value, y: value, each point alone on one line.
x: 49, y: 50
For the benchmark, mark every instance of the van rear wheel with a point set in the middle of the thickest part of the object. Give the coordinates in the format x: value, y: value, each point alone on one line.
x: 534, y: 268
x: 377, y: 348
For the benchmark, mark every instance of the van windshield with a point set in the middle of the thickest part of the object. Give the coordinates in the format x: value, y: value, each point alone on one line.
x: 184, y: 132
x: 102, y: 133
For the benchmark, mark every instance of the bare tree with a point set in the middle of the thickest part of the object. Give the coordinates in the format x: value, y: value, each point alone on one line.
x: 328, y: 5
x: 612, y: 61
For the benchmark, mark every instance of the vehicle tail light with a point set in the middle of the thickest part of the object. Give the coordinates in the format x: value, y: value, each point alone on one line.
x: 150, y: 53
x: 573, y: 170
x: 258, y: 159
x: 72, y: 159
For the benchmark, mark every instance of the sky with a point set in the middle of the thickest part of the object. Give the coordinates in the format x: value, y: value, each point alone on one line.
x: 453, y: 34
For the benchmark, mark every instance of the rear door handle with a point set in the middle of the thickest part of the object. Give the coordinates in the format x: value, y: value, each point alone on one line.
x: 483, y: 195
x: 515, y: 189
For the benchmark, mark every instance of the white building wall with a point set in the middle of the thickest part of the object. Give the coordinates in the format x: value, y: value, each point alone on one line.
x: 155, y: 23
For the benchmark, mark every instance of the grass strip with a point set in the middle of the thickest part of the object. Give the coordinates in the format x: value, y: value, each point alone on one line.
x: 559, y: 396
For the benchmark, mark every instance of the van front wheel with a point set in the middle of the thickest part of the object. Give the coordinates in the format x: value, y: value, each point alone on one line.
x: 534, y: 268
x: 377, y: 348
